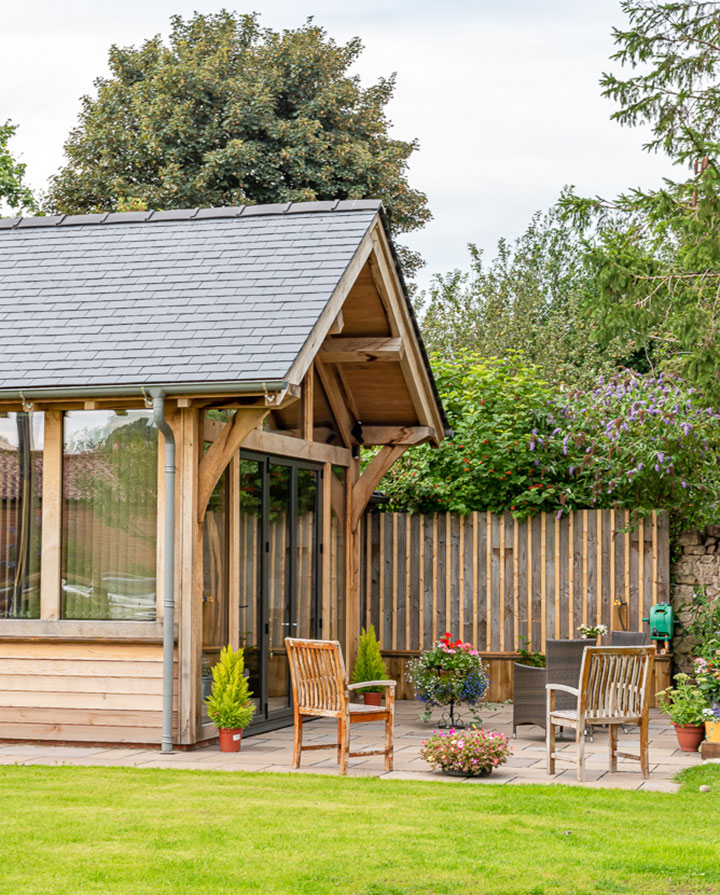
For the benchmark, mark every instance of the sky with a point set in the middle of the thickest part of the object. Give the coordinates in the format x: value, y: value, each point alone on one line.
x: 502, y: 95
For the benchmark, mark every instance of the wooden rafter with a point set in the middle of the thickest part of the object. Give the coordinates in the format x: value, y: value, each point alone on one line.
x: 220, y: 452
x: 371, y: 477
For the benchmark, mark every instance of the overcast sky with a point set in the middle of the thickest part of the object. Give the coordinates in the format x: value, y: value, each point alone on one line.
x: 503, y: 95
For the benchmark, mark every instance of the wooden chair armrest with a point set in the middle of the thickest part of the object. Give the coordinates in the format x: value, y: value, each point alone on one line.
x: 564, y: 687
x: 363, y: 684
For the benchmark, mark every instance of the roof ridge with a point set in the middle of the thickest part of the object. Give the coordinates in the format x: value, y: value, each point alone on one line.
x: 190, y: 214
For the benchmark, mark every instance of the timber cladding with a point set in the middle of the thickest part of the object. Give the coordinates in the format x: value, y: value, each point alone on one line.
x: 502, y: 584
x: 81, y: 692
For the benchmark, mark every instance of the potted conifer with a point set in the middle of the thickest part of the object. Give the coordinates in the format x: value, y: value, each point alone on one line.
x: 229, y: 705
x: 369, y: 666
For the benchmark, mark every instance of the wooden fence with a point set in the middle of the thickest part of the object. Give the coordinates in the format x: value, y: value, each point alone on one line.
x: 502, y: 584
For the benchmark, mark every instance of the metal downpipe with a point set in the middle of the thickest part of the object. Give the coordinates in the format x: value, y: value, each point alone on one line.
x: 158, y: 401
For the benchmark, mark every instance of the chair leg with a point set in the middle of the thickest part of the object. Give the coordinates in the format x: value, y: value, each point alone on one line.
x: 580, y: 742
x: 344, y: 743
x: 644, y: 758
x: 297, y: 742
x: 550, y: 740
x: 389, y: 746
x: 339, y: 740
x: 613, y: 741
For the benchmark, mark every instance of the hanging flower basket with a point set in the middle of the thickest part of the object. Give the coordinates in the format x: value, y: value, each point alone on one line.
x: 449, y: 674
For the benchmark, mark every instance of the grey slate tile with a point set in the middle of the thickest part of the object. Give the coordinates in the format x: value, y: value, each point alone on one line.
x: 227, y: 294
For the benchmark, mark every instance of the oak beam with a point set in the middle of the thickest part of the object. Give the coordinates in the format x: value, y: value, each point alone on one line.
x: 288, y: 446
x: 338, y: 406
x: 221, y: 451
x: 365, y: 485
x: 350, y: 350
x: 397, y: 434
x: 52, y: 501
x: 308, y: 400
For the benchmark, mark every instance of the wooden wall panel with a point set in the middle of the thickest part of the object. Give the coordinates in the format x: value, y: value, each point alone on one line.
x: 81, y: 692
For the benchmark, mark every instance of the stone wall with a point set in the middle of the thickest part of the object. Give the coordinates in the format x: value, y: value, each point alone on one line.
x: 696, y: 566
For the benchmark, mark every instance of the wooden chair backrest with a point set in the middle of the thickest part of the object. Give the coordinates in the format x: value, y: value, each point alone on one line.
x: 317, y: 671
x: 615, y: 682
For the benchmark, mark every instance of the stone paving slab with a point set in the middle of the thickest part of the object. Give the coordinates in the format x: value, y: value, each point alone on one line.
x: 272, y: 752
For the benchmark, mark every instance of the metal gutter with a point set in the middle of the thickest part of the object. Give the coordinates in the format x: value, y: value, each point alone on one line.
x: 158, y: 399
x: 126, y: 391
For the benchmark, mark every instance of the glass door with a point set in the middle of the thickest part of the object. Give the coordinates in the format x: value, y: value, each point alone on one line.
x: 279, y: 559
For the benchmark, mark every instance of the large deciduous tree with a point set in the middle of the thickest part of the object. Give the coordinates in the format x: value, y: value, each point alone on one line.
x: 230, y: 113
x: 14, y: 191
x: 656, y: 253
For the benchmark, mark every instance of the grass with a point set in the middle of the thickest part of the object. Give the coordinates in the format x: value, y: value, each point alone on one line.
x: 67, y: 830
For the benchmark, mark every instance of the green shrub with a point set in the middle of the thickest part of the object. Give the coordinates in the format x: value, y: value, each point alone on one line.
x: 229, y: 705
x: 369, y: 665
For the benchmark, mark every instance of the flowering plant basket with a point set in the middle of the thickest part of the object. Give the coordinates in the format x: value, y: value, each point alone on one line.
x: 471, y: 753
x: 451, y: 672
x: 707, y: 676
x: 592, y: 632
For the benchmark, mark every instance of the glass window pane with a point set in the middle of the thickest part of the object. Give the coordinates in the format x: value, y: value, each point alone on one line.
x: 250, y: 572
x: 109, y: 514
x: 21, y: 444
x: 306, y: 554
x: 278, y: 585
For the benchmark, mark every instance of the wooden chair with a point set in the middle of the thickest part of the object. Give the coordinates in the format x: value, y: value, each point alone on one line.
x: 614, y: 689
x: 321, y: 690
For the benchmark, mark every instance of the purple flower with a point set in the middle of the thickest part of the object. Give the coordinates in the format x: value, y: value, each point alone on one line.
x: 661, y: 457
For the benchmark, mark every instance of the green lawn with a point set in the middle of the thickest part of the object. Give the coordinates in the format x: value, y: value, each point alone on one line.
x: 82, y: 831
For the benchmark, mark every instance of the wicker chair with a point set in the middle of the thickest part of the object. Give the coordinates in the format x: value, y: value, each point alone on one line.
x: 628, y: 638
x: 563, y: 661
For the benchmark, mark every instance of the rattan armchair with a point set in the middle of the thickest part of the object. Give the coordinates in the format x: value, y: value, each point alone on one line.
x: 563, y: 660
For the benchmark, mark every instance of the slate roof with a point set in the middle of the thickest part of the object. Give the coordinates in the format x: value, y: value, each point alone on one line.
x: 169, y: 297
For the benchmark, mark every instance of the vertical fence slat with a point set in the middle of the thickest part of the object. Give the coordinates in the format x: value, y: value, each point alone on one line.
x: 498, y: 582
x: 475, y: 608
x: 488, y: 581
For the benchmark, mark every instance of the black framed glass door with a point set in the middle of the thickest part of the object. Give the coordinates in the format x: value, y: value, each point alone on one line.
x: 279, y: 581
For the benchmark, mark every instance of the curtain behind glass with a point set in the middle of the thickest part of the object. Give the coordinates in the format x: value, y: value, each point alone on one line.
x: 21, y: 444
x: 109, y: 514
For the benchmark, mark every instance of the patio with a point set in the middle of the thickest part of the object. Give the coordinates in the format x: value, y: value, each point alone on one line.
x: 272, y: 752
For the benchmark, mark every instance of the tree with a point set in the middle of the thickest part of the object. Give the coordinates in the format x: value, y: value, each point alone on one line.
x: 656, y: 253
x: 13, y: 189
x: 530, y: 298
x: 523, y: 446
x: 231, y: 113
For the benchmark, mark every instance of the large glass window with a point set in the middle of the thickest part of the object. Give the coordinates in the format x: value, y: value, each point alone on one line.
x: 21, y: 444
x: 109, y: 514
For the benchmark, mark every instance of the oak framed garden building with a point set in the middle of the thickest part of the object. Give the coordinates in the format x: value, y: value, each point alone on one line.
x: 243, y: 354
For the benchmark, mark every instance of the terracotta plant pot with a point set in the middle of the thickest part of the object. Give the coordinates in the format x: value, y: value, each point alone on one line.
x: 230, y: 739
x: 689, y: 736
x: 372, y: 698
